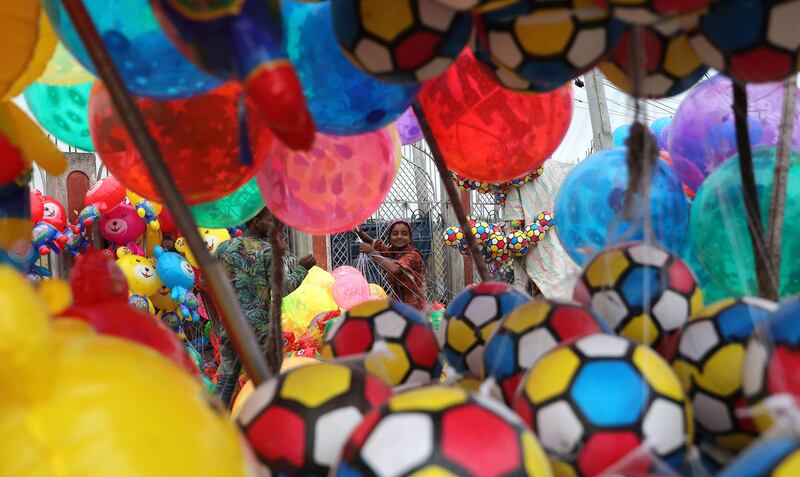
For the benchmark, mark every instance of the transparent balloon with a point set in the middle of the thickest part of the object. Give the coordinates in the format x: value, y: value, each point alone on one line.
x: 149, y: 63
x: 591, y: 212
x: 231, y: 210
x: 703, y: 132
x: 63, y: 111
x: 333, y: 187
x: 342, y: 98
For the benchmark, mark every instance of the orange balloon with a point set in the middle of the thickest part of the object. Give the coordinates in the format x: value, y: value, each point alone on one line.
x: 198, y: 138
x: 489, y: 133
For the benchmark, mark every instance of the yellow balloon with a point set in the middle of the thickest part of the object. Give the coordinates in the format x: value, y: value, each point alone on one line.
x: 64, y: 70
x: 183, y: 248
x: 28, y: 43
x: 306, y: 302
x: 321, y: 278
x: 376, y: 292
x: 79, y: 404
x: 136, y: 199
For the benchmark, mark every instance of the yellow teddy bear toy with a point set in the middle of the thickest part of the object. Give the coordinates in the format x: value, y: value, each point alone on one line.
x: 142, y: 279
x: 77, y: 404
x: 211, y: 237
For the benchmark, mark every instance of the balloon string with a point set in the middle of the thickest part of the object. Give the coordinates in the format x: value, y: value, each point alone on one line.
x: 452, y: 194
x: 764, y: 270
x: 274, y: 346
x: 239, y: 330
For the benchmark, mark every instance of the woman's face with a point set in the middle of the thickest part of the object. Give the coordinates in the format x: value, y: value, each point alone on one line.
x: 400, y: 236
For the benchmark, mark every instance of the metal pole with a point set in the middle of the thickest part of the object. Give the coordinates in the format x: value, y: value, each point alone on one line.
x: 780, y: 176
x: 239, y: 330
x: 598, y: 110
x: 452, y: 194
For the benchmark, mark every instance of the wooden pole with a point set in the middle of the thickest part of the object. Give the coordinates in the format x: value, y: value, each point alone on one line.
x: 452, y: 194
x: 780, y: 177
x: 274, y: 346
x: 766, y: 287
x: 239, y: 330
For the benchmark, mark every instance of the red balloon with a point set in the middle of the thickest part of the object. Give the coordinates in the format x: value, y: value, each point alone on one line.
x: 91, y: 269
x: 198, y: 138
x: 105, y: 194
x: 167, y: 222
x: 486, y: 132
x: 37, y: 206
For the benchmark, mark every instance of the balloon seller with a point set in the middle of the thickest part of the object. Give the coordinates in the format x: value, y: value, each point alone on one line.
x: 248, y: 260
x: 402, y: 261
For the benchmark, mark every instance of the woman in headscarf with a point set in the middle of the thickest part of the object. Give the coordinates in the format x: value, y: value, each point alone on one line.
x: 402, y: 261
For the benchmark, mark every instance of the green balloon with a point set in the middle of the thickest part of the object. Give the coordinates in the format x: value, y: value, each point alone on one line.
x: 231, y: 210
x: 719, y: 225
x: 63, y: 111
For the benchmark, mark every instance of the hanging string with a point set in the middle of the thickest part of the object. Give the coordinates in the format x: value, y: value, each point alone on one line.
x: 274, y: 345
x: 763, y: 265
x: 452, y: 194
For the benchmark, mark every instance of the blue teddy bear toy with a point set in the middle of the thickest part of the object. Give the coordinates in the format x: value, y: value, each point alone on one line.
x: 178, y: 275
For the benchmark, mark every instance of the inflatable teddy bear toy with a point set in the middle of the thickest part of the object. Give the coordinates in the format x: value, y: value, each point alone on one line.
x: 122, y: 226
x: 105, y: 194
x: 178, y: 275
x: 53, y: 212
x: 211, y: 238
x: 140, y: 272
x: 47, y: 238
x: 88, y: 216
x: 81, y: 404
x: 146, y: 209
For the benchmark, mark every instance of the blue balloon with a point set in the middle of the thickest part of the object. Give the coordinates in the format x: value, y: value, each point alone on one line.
x: 620, y: 135
x: 342, y: 99
x: 761, y: 459
x: 149, y: 63
x: 590, y: 207
x: 660, y: 128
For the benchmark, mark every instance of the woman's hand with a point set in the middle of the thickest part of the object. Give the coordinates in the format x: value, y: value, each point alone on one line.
x: 363, y: 235
x: 366, y: 248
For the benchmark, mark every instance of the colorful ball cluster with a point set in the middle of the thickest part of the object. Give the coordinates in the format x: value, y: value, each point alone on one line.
x: 454, y: 237
x: 770, y: 362
x: 643, y: 292
x: 497, y: 246
x: 481, y: 230
x: 411, y: 354
x: 670, y: 65
x: 441, y: 431
x: 597, y: 399
x: 469, y: 320
x: 517, y: 243
x: 709, y: 364
x: 400, y: 40
x: 535, y: 233
x: 764, y: 46
x: 297, y: 422
x: 530, y: 331
x: 538, y: 46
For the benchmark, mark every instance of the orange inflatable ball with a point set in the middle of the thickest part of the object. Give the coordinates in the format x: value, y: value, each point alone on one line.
x: 198, y: 138
x: 489, y: 133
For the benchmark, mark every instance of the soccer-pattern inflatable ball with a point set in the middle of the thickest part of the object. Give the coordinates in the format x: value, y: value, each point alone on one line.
x: 709, y: 364
x: 543, y: 44
x: 643, y: 292
x: 535, y: 233
x: 297, y: 422
x: 764, y: 46
x: 400, y: 40
x: 518, y: 244
x: 775, y: 457
x: 454, y: 237
x: 530, y: 331
x: 470, y: 318
x: 481, y: 230
x: 647, y: 12
x: 600, y: 397
x: 771, y: 361
x: 477, y: 5
x: 411, y: 354
x: 545, y: 220
x: 442, y: 431
x: 670, y: 64
x: 497, y: 243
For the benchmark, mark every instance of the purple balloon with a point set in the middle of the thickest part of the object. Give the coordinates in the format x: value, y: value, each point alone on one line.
x: 663, y: 139
x: 408, y: 127
x: 702, y: 134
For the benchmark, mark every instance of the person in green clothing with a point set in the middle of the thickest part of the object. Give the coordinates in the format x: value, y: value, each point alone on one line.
x: 248, y: 261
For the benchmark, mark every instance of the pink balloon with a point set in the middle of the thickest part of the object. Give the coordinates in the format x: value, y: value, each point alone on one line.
x: 344, y: 270
x: 333, y: 187
x: 349, y: 290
